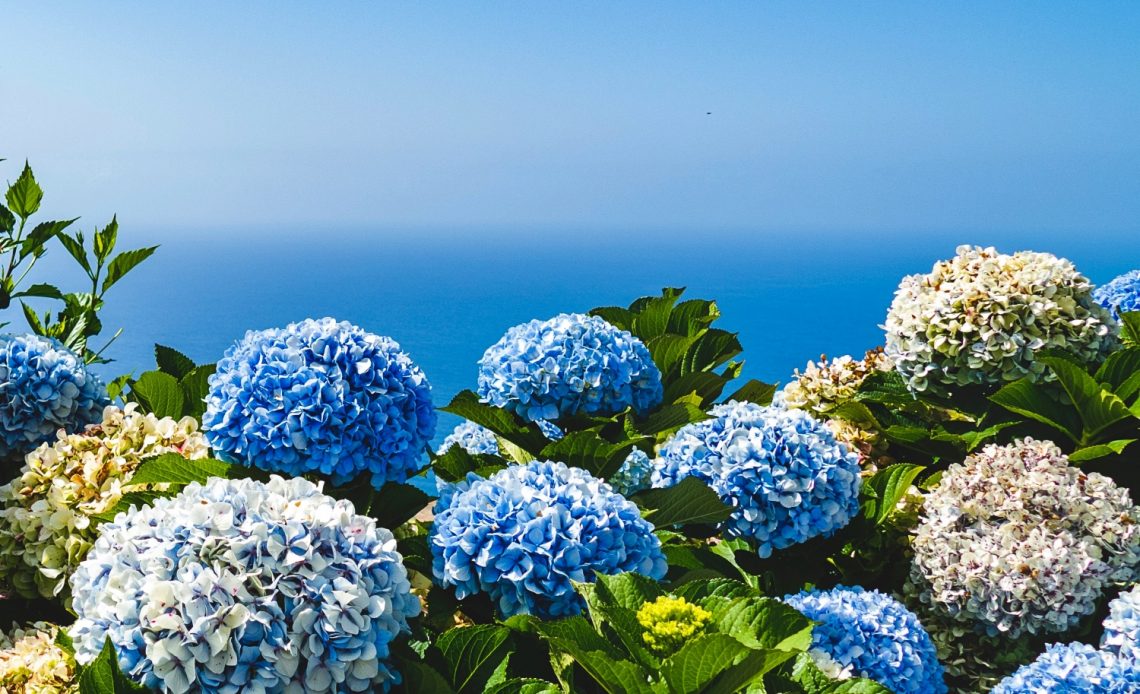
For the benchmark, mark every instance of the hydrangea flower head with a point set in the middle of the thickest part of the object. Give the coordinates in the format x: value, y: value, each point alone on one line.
x: 783, y: 472
x: 1014, y: 540
x: 980, y: 317
x: 1073, y: 668
x: 44, y: 387
x: 32, y: 662
x: 670, y: 622
x: 240, y: 585
x: 873, y: 635
x: 524, y: 534
x: 1121, y: 294
x: 320, y: 396
x: 1122, y: 627
x: 570, y: 364
x: 46, y: 513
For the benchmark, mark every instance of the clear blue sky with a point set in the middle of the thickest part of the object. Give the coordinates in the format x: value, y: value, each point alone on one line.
x: 870, y: 116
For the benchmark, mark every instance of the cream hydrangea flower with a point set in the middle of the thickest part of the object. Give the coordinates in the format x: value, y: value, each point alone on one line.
x: 979, y: 317
x: 32, y: 663
x: 1016, y: 541
x: 823, y: 385
x: 45, y: 513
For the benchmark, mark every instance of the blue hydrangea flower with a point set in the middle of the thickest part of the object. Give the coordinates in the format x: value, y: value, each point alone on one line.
x: 522, y: 535
x: 1121, y: 295
x: 320, y: 396
x: 241, y: 585
x: 1122, y: 627
x: 634, y: 475
x: 570, y: 364
x: 874, y: 635
x: 784, y: 473
x: 44, y: 387
x: 471, y: 437
x: 1073, y: 668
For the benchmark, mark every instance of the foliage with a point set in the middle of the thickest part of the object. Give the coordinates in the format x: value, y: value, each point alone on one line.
x: 78, y: 320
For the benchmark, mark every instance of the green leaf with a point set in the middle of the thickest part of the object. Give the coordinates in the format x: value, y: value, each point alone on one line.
x: 419, y: 677
x: 1118, y: 368
x: 886, y: 489
x: 105, y: 239
x: 466, y: 404
x: 172, y: 362
x: 63, y: 640
x: 7, y: 220
x: 1097, y: 407
x: 706, y: 385
x: 40, y: 235
x: 700, y: 660
x: 1130, y: 327
x: 699, y: 591
x: 103, y: 676
x: 630, y: 590
x: 651, y: 316
x: 174, y: 469
x: 74, y: 247
x: 453, y: 464
x: 670, y: 418
x: 1031, y: 400
x: 1087, y: 453
x: 615, y: 316
x: 124, y: 263
x: 975, y: 438
x: 764, y: 623
x: 473, y: 653
x: 886, y: 388
x: 520, y: 685
x: 667, y: 352
x: 614, y: 675
x: 24, y: 196
x: 417, y: 556
x: 195, y: 387
x: 159, y: 393
x: 812, y: 680
x: 692, y: 316
x: 589, y: 451
x: 754, y: 391
x: 395, y: 503
x: 621, y: 620
x: 33, y: 320
x: 689, y: 501
x: 712, y: 349
x: 45, y: 291
x: 858, y: 414
x: 747, y: 672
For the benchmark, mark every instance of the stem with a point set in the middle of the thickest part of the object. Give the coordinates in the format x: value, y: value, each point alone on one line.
x: 15, y: 248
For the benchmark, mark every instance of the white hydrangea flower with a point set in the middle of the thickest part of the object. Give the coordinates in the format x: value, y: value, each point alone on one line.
x: 31, y: 662
x: 979, y: 317
x: 45, y: 513
x: 1017, y: 541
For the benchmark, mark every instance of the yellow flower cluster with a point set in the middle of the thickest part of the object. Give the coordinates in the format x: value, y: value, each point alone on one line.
x: 45, y: 513
x: 669, y: 622
x: 32, y: 663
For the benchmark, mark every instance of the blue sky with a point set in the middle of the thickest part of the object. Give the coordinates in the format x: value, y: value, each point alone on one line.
x: 845, y: 116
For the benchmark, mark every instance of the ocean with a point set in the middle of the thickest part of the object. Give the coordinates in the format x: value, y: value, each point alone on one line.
x: 447, y: 295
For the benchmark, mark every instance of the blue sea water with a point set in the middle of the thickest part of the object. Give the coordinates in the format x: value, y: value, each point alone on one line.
x: 446, y: 295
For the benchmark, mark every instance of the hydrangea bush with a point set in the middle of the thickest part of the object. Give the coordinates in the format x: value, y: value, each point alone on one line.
x: 1015, y: 540
x: 320, y: 396
x: 571, y: 364
x: 979, y: 318
x: 871, y: 635
x: 44, y: 387
x: 1121, y: 294
x: 783, y: 472
x: 244, y: 585
x: 524, y: 534
x: 46, y: 524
